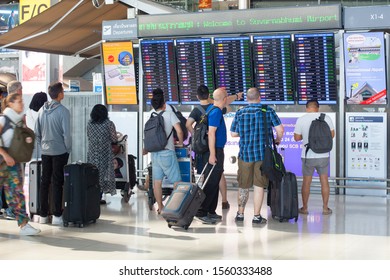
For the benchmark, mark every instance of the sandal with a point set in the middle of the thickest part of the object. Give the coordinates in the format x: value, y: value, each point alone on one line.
x: 327, y: 211
x: 302, y: 211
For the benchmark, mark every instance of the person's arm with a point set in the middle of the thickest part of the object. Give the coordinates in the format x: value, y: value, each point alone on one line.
x: 67, y: 132
x: 7, y: 158
x: 234, y: 134
x: 234, y: 97
x: 189, y: 125
x: 279, y: 133
x: 333, y: 133
x: 212, y: 142
x: 179, y: 133
x: 297, y: 137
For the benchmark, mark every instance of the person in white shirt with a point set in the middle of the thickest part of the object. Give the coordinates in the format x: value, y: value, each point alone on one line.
x: 312, y: 160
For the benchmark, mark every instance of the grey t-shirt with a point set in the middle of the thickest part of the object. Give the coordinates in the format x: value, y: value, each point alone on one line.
x: 170, y: 120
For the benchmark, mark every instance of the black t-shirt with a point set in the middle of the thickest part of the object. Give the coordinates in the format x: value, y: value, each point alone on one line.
x: 196, y: 114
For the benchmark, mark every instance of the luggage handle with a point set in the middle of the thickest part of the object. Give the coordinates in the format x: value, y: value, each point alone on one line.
x: 201, y: 174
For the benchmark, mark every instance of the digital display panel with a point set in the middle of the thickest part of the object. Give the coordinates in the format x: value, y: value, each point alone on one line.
x: 316, y: 68
x: 273, y: 64
x: 159, y: 67
x: 195, y: 67
x: 233, y: 65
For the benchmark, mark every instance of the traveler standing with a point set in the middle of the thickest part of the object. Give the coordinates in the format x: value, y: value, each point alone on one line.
x: 312, y: 160
x: 52, y: 131
x: 11, y: 172
x: 215, y: 156
x: 101, y: 133
x: 248, y: 124
x: 203, y: 96
x: 164, y: 162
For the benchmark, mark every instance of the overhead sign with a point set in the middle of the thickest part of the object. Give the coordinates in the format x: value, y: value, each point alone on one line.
x: 30, y: 8
x: 366, y: 17
x: 240, y: 21
x: 119, y: 29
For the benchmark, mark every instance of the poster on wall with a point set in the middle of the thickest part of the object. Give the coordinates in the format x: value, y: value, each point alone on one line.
x: 365, y: 71
x: 366, y: 150
x: 119, y: 73
x: 33, y: 71
x: 289, y: 149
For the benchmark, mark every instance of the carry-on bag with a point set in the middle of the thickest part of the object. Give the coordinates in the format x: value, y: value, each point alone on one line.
x: 81, y: 194
x: 185, y: 202
x: 34, y: 183
x: 283, y: 198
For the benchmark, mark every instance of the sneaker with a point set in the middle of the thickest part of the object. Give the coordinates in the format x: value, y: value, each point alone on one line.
x: 43, y: 220
x: 214, y: 216
x: 29, y: 230
x: 207, y: 220
x: 258, y: 219
x: 225, y: 205
x: 239, y: 217
x: 9, y: 215
x: 57, y: 220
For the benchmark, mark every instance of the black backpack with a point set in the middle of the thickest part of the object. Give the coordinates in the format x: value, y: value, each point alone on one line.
x: 320, y: 136
x: 183, y: 122
x: 200, y: 139
x: 154, y: 132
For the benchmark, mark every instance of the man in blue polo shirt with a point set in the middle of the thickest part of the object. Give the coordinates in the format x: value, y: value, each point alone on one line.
x: 217, y: 140
x: 248, y: 125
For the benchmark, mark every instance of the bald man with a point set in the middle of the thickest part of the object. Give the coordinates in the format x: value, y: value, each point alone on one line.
x: 215, y: 155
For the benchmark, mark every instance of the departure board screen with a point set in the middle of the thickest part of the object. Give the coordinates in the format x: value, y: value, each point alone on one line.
x: 273, y: 64
x: 159, y: 67
x: 233, y: 65
x: 195, y: 67
x: 316, y: 68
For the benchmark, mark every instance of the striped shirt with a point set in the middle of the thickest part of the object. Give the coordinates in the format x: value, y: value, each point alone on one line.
x: 248, y: 123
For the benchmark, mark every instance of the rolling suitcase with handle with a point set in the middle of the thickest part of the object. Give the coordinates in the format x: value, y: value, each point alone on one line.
x: 184, y: 202
x: 81, y: 194
x: 35, y: 172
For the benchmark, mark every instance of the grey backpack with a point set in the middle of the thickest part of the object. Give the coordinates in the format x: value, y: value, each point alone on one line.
x: 154, y: 132
x: 320, y: 136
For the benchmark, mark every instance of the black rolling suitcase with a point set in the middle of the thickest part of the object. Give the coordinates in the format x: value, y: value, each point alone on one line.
x: 81, y: 194
x: 283, y: 198
x: 184, y: 202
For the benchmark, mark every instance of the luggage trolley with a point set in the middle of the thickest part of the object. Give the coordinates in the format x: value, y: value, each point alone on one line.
x: 121, y: 167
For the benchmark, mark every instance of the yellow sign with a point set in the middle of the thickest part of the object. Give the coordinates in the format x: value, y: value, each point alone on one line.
x: 119, y: 73
x: 30, y: 8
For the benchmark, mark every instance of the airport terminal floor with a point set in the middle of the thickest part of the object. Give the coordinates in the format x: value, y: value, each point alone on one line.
x: 358, y: 229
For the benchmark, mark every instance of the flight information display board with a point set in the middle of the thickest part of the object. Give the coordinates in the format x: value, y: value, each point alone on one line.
x: 233, y: 64
x: 273, y: 64
x: 159, y: 67
x: 195, y: 67
x: 316, y: 68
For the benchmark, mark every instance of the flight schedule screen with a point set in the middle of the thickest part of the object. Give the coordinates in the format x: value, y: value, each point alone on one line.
x: 195, y: 67
x: 233, y: 64
x: 316, y: 68
x: 159, y: 67
x: 273, y: 65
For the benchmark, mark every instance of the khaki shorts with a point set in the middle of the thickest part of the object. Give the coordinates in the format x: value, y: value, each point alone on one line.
x: 249, y: 174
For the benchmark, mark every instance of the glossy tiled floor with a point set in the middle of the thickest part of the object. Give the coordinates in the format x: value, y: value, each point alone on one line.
x: 359, y: 228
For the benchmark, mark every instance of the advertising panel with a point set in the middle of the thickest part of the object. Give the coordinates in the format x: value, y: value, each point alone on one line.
x: 366, y: 150
x: 119, y: 73
x: 365, y: 72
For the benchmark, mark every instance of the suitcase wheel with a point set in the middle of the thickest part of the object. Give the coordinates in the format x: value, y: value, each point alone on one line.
x: 151, y: 203
x: 169, y: 225
x: 66, y: 224
x: 296, y: 219
x: 81, y: 225
x: 186, y: 227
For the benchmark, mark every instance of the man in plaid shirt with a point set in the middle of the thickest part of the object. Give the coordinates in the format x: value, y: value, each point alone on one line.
x: 248, y: 125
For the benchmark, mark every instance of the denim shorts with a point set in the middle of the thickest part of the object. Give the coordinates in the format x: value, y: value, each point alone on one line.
x: 164, y: 163
x: 320, y: 164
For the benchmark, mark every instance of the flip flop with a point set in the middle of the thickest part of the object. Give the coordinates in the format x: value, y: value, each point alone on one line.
x: 301, y: 211
x: 328, y: 211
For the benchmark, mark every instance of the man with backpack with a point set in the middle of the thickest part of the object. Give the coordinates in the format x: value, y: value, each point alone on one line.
x: 214, y: 156
x: 195, y: 116
x: 315, y: 152
x: 164, y: 160
x: 248, y: 124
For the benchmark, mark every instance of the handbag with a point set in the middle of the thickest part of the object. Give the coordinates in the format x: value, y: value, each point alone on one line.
x: 273, y: 166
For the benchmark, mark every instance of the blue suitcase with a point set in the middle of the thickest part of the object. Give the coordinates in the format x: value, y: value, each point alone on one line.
x: 184, y: 202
